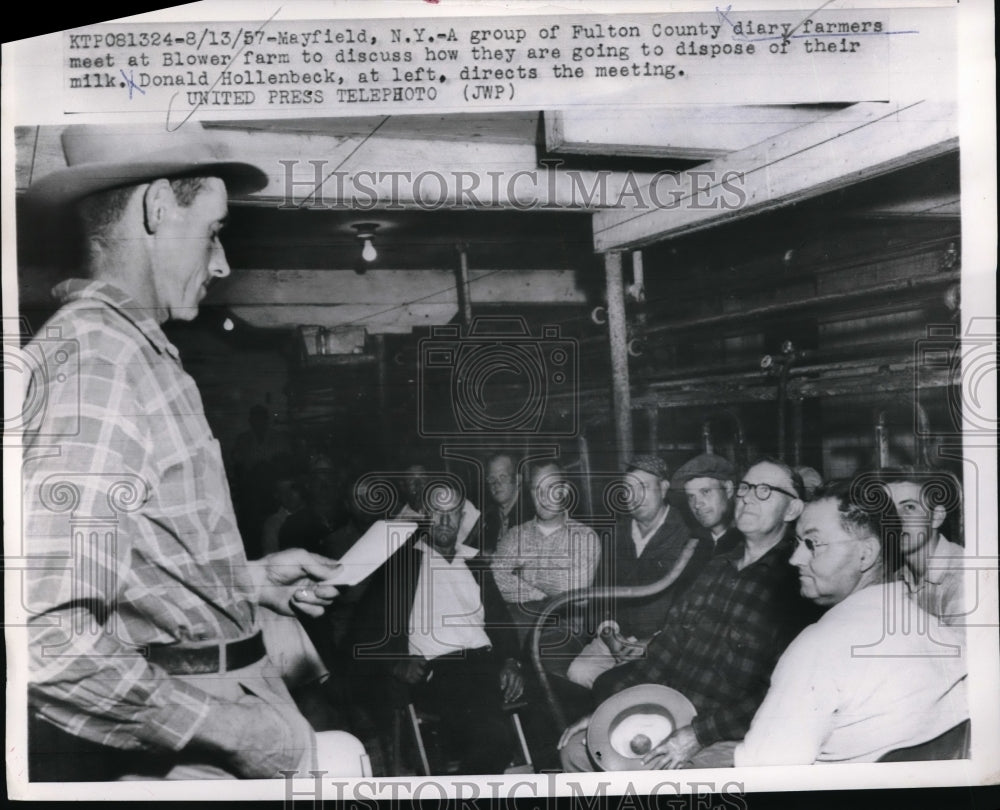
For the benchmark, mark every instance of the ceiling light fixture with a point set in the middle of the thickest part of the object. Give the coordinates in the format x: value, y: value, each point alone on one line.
x: 365, y: 234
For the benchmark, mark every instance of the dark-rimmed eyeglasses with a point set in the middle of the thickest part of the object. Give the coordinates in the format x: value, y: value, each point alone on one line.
x: 810, y: 544
x: 761, y: 491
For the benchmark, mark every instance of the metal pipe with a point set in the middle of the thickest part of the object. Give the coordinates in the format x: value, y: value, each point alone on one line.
x: 741, y: 446
x: 881, y: 441
x: 653, y: 420
x: 878, y: 294
x: 923, y: 431
x: 638, y: 288
x: 797, y: 431
x: 378, y: 341
x: 462, y: 285
x: 584, y: 453
x: 624, y: 592
x: 782, y: 399
x: 739, y: 449
x: 706, y: 436
x: 617, y: 332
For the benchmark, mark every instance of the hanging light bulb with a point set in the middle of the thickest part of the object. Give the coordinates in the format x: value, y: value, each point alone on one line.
x: 228, y: 325
x: 365, y: 234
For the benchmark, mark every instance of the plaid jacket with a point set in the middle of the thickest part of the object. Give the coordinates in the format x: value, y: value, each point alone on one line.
x: 721, y: 641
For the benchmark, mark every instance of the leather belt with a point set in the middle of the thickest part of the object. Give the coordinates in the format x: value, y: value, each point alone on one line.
x: 209, y: 658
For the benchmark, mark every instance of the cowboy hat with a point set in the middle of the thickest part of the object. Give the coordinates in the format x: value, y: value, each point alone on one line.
x: 629, y: 724
x: 99, y: 158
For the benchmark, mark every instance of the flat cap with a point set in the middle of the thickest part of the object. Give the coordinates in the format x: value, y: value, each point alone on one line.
x: 647, y: 462
x: 707, y: 465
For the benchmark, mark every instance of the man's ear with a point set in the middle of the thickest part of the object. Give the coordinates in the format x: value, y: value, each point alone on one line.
x: 938, y: 516
x: 156, y: 203
x: 871, y: 548
x: 793, y: 510
x: 664, y: 488
x: 729, y: 489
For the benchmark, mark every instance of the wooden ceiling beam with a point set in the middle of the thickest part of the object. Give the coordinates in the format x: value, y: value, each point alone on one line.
x: 382, y: 301
x: 849, y: 146
x: 680, y: 131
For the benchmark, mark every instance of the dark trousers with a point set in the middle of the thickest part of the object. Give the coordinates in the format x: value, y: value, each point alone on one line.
x: 463, y: 691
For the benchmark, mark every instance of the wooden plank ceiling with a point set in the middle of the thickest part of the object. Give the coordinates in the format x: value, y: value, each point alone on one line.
x: 302, y: 253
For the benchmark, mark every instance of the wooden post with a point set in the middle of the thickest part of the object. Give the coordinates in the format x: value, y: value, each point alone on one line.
x: 619, y: 353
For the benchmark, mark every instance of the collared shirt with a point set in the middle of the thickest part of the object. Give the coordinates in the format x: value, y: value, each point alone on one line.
x: 846, y: 690
x: 127, y: 505
x: 940, y: 591
x: 720, y: 642
x: 448, y: 613
x: 642, y: 540
x: 551, y: 563
x: 505, y: 512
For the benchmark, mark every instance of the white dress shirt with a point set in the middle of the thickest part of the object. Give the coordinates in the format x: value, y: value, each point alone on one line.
x: 448, y: 613
x: 642, y: 540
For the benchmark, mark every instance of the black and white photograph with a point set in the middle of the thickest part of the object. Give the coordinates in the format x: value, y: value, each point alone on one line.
x: 407, y: 400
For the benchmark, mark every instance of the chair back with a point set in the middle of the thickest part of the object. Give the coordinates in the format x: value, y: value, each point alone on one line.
x: 953, y: 744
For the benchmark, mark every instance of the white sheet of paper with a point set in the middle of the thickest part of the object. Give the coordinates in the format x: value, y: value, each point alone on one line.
x: 373, y: 548
x: 469, y: 517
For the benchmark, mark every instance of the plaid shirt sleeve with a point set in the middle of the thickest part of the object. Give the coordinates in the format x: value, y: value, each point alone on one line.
x: 87, y: 476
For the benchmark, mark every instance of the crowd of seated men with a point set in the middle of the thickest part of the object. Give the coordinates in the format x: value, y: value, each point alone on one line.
x: 775, y: 594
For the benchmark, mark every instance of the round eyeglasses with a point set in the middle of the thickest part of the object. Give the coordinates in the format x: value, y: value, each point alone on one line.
x: 761, y: 491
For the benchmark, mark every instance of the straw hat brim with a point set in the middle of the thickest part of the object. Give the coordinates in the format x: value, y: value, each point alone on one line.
x: 76, y: 182
x: 645, y: 697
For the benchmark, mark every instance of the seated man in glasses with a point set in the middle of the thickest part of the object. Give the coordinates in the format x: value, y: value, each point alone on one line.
x: 721, y: 640
x: 509, y: 506
x: 852, y: 687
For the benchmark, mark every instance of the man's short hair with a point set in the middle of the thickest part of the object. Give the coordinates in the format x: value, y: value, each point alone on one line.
x: 99, y: 211
x: 865, y: 511
x: 793, y: 476
x: 937, y: 487
x: 536, y: 466
x: 515, y: 460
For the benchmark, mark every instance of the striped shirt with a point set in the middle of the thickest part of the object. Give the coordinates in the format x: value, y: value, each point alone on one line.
x: 721, y: 641
x: 129, y: 522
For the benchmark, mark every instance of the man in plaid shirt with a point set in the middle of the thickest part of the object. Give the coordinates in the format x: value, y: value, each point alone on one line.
x: 146, y: 659
x: 719, y: 644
